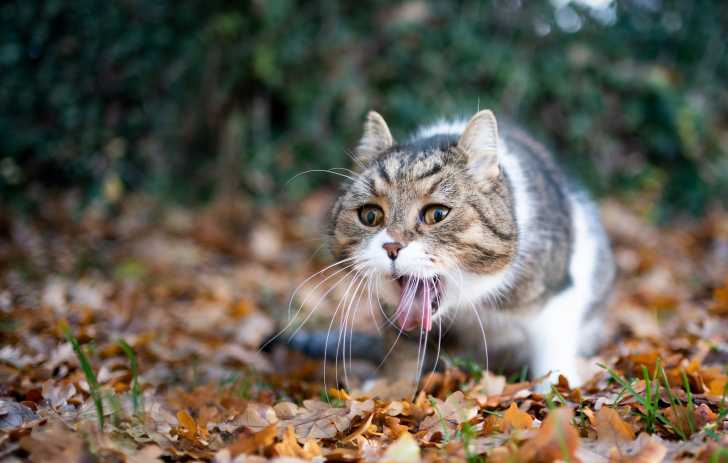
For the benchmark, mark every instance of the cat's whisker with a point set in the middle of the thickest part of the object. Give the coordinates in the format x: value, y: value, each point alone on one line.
x: 405, y: 295
x: 328, y: 331
x: 298, y: 288
x: 370, y: 283
x: 291, y: 319
x: 348, y: 317
x: 387, y: 320
x: 321, y: 299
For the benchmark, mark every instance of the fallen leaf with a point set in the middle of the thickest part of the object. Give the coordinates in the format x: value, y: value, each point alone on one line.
x: 360, y: 430
x: 650, y: 451
x: 513, y: 418
x: 704, y: 415
x: 258, y: 416
x: 257, y: 442
x: 14, y: 414
x: 187, y: 426
x: 555, y: 440
x: 289, y: 446
x: 612, y: 428
x: 456, y: 409
x: 403, y: 450
x: 717, y: 387
x: 54, y: 442
x: 148, y: 454
x: 320, y: 420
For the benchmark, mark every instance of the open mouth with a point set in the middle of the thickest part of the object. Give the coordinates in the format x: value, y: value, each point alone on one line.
x: 419, y: 299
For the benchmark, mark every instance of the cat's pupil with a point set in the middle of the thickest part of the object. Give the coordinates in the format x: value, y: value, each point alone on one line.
x: 370, y: 217
x: 438, y: 215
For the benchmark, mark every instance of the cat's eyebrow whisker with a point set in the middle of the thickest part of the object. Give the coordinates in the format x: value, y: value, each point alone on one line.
x: 326, y: 171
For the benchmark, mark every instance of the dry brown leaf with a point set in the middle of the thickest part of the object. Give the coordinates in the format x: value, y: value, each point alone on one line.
x: 360, y: 430
x: 319, y: 420
x: 651, y: 451
x: 403, y: 450
x: 148, y: 454
x: 720, y: 301
x: 612, y: 428
x: 187, y: 426
x: 513, y: 418
x: 289, y: 446
x: 54, y: 442
x: 555, y: 440
x: 704, y: 415
x: 717, y: 387
x: 456, y: 409
x: 257, y: 442
x: 258, y: 416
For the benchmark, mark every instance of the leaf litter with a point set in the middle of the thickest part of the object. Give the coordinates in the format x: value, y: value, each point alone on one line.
x: 139, y: 343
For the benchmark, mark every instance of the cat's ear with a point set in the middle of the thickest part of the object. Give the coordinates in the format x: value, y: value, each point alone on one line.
x: 376, y: 138
x: 479, y: 142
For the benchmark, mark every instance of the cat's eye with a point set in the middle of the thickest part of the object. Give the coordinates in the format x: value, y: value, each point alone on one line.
x: 434, y: 213
x: 371, y: 215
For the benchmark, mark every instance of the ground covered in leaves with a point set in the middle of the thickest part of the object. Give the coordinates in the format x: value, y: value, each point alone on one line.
x: 132, y: 334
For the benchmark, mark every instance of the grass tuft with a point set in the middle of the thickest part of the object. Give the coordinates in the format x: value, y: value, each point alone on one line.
x: 650, y: 401
x: 136, y: 390
x: 88, y: 371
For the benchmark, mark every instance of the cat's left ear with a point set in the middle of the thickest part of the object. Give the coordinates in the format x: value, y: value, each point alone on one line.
x: 479, y: 142
x: 376, y: 138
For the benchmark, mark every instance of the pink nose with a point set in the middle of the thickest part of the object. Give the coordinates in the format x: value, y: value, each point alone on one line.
x: 392, y: 249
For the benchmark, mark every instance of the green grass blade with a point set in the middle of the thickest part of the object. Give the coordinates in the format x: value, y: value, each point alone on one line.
x: 88, y: 371
x: 136, y: 390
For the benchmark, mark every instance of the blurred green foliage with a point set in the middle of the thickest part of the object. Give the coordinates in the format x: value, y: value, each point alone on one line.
x: 190, y: 99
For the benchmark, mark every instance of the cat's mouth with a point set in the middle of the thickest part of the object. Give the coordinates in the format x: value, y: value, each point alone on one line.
x: 419, y: 299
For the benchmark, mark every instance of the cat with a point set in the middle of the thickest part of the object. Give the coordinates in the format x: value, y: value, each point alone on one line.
x: 484, y: 242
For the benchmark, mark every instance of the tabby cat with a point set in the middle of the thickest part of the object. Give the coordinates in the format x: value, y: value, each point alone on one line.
x: 486, y: 241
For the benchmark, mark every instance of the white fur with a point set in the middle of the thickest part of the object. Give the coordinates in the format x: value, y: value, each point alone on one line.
x: 555, y: 332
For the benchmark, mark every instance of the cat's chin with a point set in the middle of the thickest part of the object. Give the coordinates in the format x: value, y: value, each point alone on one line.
x: 419, y: 301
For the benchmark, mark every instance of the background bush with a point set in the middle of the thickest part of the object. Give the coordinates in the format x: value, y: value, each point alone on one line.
x: 192, y: 99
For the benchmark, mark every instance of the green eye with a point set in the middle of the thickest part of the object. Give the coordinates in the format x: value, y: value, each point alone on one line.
x: 434, y: 213
x: 371, y: 215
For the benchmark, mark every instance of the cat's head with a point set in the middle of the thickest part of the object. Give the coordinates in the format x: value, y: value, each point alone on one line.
x: 429, y: 217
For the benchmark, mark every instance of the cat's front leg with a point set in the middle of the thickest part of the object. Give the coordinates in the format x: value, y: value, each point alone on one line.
x: 554, y: 339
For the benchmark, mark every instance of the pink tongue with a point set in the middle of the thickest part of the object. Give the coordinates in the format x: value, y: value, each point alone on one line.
x: 413, y: 310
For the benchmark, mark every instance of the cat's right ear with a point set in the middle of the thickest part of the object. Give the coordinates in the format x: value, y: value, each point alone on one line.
x: 376, y: 138
x: 479, y: 142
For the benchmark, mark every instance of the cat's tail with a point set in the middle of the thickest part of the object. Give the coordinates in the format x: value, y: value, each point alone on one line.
x: 320, y: 344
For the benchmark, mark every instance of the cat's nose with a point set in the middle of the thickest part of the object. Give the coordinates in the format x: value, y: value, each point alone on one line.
x: 392, y: 249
